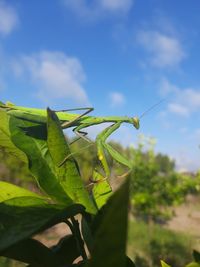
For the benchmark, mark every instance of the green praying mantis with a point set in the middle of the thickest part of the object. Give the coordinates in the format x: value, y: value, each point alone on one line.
x: 79, y: 122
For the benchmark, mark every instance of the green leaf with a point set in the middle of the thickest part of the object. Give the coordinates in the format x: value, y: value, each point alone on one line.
x: 5, y: 139
x: 164, y: 264
x: 110, y: 237
x: 196, y: 256
x: 68, y: 174
x: 22, y: 217
x: 31, y: 138
x: 193, y: 264
x: 101, y: 190
x: 33, y: 252
x: 8, y: 191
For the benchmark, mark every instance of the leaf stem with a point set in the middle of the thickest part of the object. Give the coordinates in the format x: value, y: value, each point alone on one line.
x: 74, y: 227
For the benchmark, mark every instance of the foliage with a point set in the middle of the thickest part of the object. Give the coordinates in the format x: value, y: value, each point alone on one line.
x: 62, y: 195
x: 166, y: 165
x: 155, y: 186
x: 148, y: 244
x: 12, y: 169
x: 36, y: 138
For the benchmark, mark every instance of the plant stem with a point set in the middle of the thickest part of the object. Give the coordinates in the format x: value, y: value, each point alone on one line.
x: 74, y: 227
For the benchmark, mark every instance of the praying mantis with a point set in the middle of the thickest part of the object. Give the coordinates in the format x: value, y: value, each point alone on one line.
x: 80, y: 122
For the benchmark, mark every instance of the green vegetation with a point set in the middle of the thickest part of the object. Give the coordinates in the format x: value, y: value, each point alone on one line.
x: 14, y: 170
x: 62, y: 196
x: 70, y: 180
x: 148, y: 244
x: 155, y: 185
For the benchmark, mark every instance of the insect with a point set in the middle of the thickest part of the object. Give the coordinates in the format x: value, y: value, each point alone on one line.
x: 79, y: 122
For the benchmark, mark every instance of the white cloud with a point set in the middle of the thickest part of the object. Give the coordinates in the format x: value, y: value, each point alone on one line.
x: 116, y: 5
x: 164, y: 50
x: 197, y: 133
x: 8, y: 18
x: 98, y: 8
x: 195, y: 136
x: 183, y: 130
x: 185, y: 100
x: 186, y: 162
x: 178, y: 109
x: 117, y: 99
x: 56, y: 75
x: 167, y: 88
x: 190, y: 97
x: 80, y: 7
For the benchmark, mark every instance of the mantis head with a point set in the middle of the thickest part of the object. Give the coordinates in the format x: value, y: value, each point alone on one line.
x: 136, y: 122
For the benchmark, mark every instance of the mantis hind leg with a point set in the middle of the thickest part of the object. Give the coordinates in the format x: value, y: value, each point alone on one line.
x: 72, y: 154
x: 102, y: 146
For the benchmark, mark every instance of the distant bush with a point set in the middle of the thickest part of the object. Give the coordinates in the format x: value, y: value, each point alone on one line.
x: 155, y: 185
x: 148, y: 244
x: 12, y: 169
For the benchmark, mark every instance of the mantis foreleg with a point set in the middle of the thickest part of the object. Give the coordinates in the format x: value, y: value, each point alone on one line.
x: 102, y: 157
x: 102, y: 146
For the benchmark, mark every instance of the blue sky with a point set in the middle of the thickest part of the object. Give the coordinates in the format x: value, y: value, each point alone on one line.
x: 119, y: 56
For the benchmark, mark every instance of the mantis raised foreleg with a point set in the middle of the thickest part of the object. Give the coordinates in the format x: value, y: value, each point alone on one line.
x: 102, y: 146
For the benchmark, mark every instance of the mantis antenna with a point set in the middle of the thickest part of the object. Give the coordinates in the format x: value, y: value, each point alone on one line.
x: 136, y: 120
x: 152, y: 107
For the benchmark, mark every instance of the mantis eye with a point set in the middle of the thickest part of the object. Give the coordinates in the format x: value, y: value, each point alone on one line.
x: 136, y: 122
